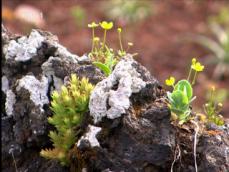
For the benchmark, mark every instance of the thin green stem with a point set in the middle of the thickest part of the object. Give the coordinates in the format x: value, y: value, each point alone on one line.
x: 194, y: 78
x: 189, y: 74
x: 120, y: 41
x: 96, y: 49
x: 104, y: 38
x: 93, y: 36
x: 128, y: 48
x: 211, y: 97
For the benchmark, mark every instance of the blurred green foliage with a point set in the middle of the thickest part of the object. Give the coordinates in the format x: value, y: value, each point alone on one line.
x: 79, y: 14
x: 220, y: 95
x: 128, y: 11
x: 213, y: 108
x: 221, y: 18
x: 219, y: 46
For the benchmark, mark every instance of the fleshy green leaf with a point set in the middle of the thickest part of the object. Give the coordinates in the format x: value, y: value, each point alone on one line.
x: 179, y: 99
x: 103, y: 67
x: 185, y: 87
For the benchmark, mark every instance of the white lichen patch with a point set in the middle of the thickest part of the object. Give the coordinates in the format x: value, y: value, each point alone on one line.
x: 83, y: 58
x: 90, y: 136
x: 48, y: 71
x: 10, y: 101
x: 37, y: 89
x: 24, y: 48
x: 128, y: 80
x: 5, y: 84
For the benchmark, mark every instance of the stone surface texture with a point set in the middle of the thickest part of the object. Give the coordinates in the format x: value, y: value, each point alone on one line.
x: 128, y: 127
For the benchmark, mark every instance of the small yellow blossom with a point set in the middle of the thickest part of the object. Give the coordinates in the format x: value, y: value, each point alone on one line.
x: 130, y: 44
x: 106, y: 25
x: 202, y: 117
x: 220, y: 104
x: 170, y: 81
x: 193, y: 61
x: 119, y: 30
x: 96, y: 39
x: 93, y: 25
x: 213, y: 88
x: 197, y: 65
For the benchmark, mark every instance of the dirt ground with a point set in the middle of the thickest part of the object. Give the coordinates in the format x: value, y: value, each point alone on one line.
x: 157, y: 39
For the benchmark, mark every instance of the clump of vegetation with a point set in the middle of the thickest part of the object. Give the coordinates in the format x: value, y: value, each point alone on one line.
x: 220, y: 95
x: 222, y: 18
x: 101, y: 54
x: 128, y: 11
x: 218, y: 47
x: 212, y: 109
x: 79, y: 14
x: 181, y: 97
x: 68, y: 107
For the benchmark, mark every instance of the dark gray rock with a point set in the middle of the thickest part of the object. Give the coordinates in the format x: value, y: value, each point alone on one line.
x: 138, y: 138
x: 28, y: 76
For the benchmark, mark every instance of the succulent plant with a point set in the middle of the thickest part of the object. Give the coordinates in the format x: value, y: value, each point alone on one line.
x: 68, y: 107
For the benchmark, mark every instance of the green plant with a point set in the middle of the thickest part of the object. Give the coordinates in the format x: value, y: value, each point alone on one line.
x: 102, y: 56
x: 180, y: 99
x: 128, y: 11
x: 220, y: 95
x: 109, y: 62
x: 79, y: 15
x: 212, y: 109
x: 218, y: 47
x: 222, y: 17
x: 68, y: 107
x: 182, y: 95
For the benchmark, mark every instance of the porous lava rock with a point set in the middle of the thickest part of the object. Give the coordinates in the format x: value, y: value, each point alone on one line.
x: 128, y: 127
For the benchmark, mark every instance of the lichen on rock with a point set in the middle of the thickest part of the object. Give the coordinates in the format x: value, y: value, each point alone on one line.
x: 128, y: 81
x: 10, y: 101
x: 5, y: 84
x: 90, y: 136
x: 141, y: 140
x: 49, y: 71
x: 38, y: 89
x: 24, y: 48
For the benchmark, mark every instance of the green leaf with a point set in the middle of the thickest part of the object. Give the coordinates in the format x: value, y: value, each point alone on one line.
x: 103, y: 67
x: 185, y: 87
x: 210, y: 44
x: 179, y: 100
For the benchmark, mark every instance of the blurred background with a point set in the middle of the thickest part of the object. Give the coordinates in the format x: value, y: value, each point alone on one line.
x: 166, y: 34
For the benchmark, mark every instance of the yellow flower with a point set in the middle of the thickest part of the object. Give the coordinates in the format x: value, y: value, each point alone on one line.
x: 119, y: 30
x: 92, y: 25
x: 193, y: 61
x: 220, y: 104
x: 106, y: 25
x: 96, y: 39
x: 197, y: 65
x: 130, y: 44
x: 170, y: 81
x: 202, y: 117
x: 213, y: 88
